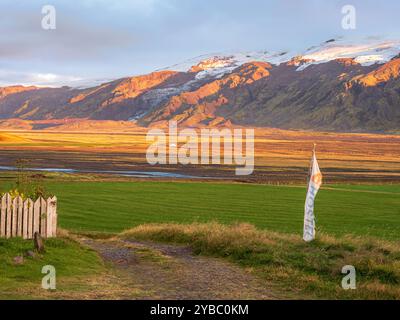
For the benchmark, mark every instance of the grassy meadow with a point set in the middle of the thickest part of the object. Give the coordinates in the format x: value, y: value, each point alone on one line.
x: 115, y: 206
x: 258, y: 227
x: 76, y: 266
x: 111, y: 207
x: 288, y: 264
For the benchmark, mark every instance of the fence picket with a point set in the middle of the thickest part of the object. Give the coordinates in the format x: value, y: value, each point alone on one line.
x: 14, y: 217
x: 36, y: 216
x: 30, y: 219
x: 8, y: 216
x: 25, y: 224
x: 49, y: 226
x: 3, y: 216
x: 43, y: 217
x: 54, y: 218
x: 19, y: 216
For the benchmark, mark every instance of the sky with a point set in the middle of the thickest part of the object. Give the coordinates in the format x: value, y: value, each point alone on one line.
x: 99, y: 40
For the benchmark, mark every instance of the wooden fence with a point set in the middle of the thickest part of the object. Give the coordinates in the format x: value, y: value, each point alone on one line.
x: 22, y: 218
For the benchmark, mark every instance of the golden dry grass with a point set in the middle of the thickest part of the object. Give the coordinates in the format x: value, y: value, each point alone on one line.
x: 273, y: 147
x: 11, y: 138
x: 306, y: 270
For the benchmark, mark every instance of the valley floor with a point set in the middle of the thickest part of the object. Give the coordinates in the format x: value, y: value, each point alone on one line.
x: 281, y: 156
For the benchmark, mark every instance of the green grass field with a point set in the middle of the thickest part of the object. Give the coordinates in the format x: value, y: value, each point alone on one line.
x: 74, y: 265
x: 115, y: 206
x: 282, y: 259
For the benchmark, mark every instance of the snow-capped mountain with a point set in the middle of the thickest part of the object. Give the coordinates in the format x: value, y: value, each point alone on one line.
x: 218, y: 64
x: 365, y: 52
x: 338, y: 85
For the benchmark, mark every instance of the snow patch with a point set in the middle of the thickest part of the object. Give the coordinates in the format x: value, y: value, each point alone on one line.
x: 217, y: 65
x: 366, y: 52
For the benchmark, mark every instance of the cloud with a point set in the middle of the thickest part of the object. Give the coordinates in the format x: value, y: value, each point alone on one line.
x: 75, y: 37
x: 110, y: 39
x: 8, y: 78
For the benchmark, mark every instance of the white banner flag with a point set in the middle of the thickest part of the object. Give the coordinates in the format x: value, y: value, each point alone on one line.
x: 313, y: 187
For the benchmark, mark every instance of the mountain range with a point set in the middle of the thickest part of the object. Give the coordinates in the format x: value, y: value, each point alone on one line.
x: 336, y: 86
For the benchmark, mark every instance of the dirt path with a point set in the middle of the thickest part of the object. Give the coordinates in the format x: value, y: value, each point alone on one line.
x: 159, y: 271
